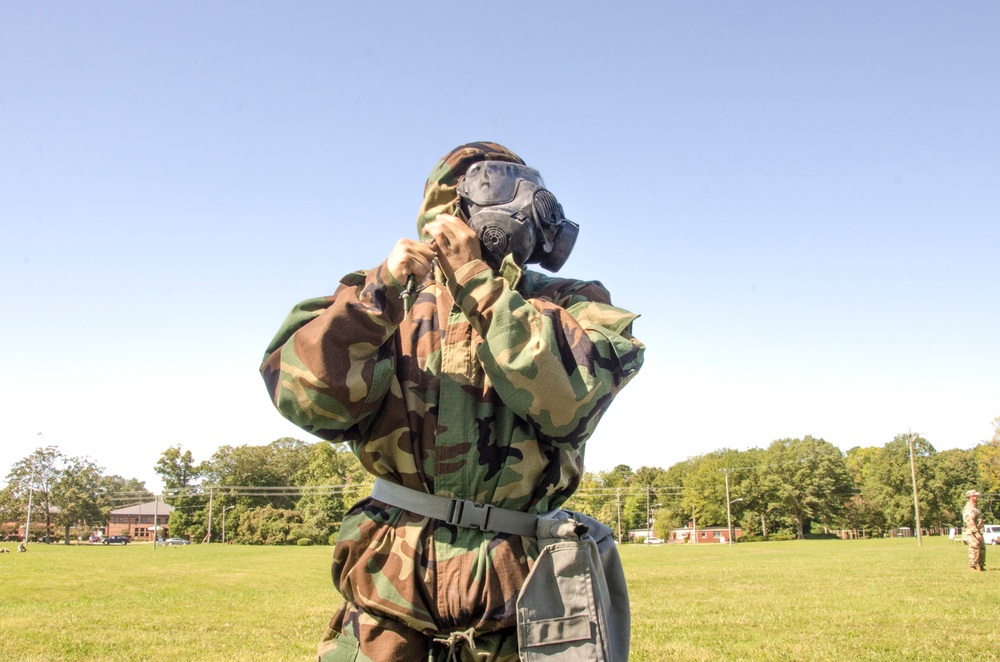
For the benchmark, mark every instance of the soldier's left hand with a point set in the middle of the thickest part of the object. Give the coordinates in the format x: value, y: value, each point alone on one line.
x: 457, y: 244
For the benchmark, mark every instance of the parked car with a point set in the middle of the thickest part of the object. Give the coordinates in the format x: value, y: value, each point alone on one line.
x: 653, y: 541
x: 175, y: 541
x: 116, y: 540
x: 991, y: 534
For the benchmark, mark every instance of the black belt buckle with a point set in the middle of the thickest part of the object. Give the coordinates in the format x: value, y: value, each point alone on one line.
x: 469, y: 514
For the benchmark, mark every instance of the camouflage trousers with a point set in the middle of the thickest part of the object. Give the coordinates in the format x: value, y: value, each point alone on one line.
x: 977, y: 555
x: 356, y: 635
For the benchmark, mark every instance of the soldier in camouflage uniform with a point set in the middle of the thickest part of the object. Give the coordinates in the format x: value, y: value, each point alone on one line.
x: 972, y: 532
x: 486, y: 390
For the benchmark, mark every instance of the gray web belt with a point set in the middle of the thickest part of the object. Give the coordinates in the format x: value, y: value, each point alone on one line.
x: 459, y: 512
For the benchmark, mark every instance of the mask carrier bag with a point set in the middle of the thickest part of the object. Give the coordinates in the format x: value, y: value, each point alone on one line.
x: 574, y: 604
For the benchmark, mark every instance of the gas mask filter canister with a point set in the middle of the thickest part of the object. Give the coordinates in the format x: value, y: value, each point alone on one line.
x: 512, y: 212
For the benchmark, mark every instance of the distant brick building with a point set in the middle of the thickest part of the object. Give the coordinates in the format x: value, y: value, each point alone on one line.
x: 136, y: 521
x: 708, y: 534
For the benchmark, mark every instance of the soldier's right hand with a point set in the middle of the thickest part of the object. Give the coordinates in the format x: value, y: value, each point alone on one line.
x: 410, y: 257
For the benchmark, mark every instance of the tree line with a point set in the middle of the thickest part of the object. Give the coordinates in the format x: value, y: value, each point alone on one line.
x: 294, y: 492
x: 283, y: 492
x: 63, y: 492
x: 286, y: 492
x: 801, y: 487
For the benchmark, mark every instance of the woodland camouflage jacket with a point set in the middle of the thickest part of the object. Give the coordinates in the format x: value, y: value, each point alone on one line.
x: 487, y: 391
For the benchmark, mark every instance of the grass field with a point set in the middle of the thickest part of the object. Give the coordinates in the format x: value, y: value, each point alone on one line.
x: 810, y: 600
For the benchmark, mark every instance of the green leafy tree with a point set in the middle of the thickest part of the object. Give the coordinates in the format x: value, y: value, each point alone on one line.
x: 757, y: 513
x: 77, y: 494
x: 273, y: 465
x: 672, y: 512
x: 705, y: 487
x: 277, y: 464
x: 889, y: 480
x: 37, y: 474
x: 665, y: 520
x: 650, y: 476
x: 620, y: 476
x: 988, y: 465
x: 609, y: 497
x: 862, y: 511
x: 290, y: 457
x: 340, y: 481
x: 268, y: 526
x: 954, y: 472
x: 177, y: 469
x: 862, y: 516
x: 616, y: 484
x: 593, y: 498
x: 634, y: 508
x: 860, y: 462
x: 180, y: 476
x: 808, y: 480
x: 117, y: 491
x: 649, y: 487
x: 12, y: 509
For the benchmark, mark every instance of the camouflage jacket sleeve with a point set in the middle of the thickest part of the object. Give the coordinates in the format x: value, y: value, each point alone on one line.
x: 331, y: 362
x: 557, y: 356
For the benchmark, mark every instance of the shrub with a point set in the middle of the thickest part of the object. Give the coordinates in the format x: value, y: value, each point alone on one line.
x: 332, y: 540
x: 782, y: 535
x: 822, y: 536
x: 268, y: 526
x: 304, y: 542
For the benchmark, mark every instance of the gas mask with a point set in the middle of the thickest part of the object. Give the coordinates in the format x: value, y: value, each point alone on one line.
x: 513, y: 214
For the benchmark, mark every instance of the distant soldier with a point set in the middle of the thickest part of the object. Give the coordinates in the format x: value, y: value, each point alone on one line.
x: 972, y: 533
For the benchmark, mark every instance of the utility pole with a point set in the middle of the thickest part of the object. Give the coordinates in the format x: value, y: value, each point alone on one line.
x: 31, y: 490
x: 618, y: 502
x: 649, y: 517
x: 916, y: 501
x: 729, y: 511
x: 156, y: 519
x: 210, y: 494
x: 224, y: 522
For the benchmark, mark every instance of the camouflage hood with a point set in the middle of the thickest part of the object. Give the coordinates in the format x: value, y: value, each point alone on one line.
x: 440, y: 192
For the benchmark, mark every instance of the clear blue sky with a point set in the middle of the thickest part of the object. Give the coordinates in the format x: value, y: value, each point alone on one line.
x: 800, y: 199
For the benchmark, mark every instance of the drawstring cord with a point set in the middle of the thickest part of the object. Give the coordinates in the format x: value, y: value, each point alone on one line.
x: 454, y: 642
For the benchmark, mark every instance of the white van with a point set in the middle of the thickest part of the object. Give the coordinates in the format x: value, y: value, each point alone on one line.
x: 991, y: 534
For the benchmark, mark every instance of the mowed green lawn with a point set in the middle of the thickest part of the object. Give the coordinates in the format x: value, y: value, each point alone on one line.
x: 811, y: 600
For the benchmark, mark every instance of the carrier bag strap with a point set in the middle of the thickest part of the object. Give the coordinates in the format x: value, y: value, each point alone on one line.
x: 458, y: 512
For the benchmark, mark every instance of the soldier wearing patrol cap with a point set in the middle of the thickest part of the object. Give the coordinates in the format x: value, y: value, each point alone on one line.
x: 468, y: 385
x: 972, y: 532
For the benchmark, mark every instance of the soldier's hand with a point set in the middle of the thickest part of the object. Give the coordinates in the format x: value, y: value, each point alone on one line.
x: 457, y: 244
x: 410, y: 257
